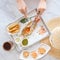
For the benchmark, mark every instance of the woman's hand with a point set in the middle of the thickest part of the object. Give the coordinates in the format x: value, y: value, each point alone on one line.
x: 22, y: 7
x: 42, y: 6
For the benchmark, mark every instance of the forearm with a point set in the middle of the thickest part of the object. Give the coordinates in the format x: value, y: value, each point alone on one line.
x: 22, y: 7
x: 21, y: 4
x: 42, y: 0
x: 42, y: 4
x: 20, y: 1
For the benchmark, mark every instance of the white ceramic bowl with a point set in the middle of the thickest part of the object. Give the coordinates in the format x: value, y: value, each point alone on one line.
x: 55, y: 38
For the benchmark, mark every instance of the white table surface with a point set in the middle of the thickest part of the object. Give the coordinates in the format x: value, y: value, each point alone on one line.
x: 9, y: 13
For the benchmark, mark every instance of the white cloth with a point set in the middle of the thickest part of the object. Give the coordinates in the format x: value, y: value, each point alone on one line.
x: 9, y: 13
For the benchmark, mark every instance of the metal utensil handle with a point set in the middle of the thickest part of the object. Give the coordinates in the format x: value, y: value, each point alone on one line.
x: 38, y: 14
x: 45, y: 25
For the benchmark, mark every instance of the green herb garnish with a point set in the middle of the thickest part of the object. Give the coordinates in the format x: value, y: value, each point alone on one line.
x: 24, y: 20
x: 25, y: 42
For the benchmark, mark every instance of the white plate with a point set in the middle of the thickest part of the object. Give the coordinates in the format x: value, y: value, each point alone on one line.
x: 36, y: 46
x: 35, y: 36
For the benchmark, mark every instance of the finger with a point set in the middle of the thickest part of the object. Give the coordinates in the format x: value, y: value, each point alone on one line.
x: 24, y: 11
x: 41, y: 11
x: 42, y: 6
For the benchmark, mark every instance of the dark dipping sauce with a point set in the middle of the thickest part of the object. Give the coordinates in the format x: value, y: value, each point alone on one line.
x: 7, y: 46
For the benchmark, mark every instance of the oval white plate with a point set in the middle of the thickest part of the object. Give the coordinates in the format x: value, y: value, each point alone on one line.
x: 35, y: 48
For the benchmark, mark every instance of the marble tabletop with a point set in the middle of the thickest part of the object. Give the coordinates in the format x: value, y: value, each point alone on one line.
x: 10, y: 13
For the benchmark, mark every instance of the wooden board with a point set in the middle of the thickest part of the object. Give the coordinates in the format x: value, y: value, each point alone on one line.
x: 51, y: 25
